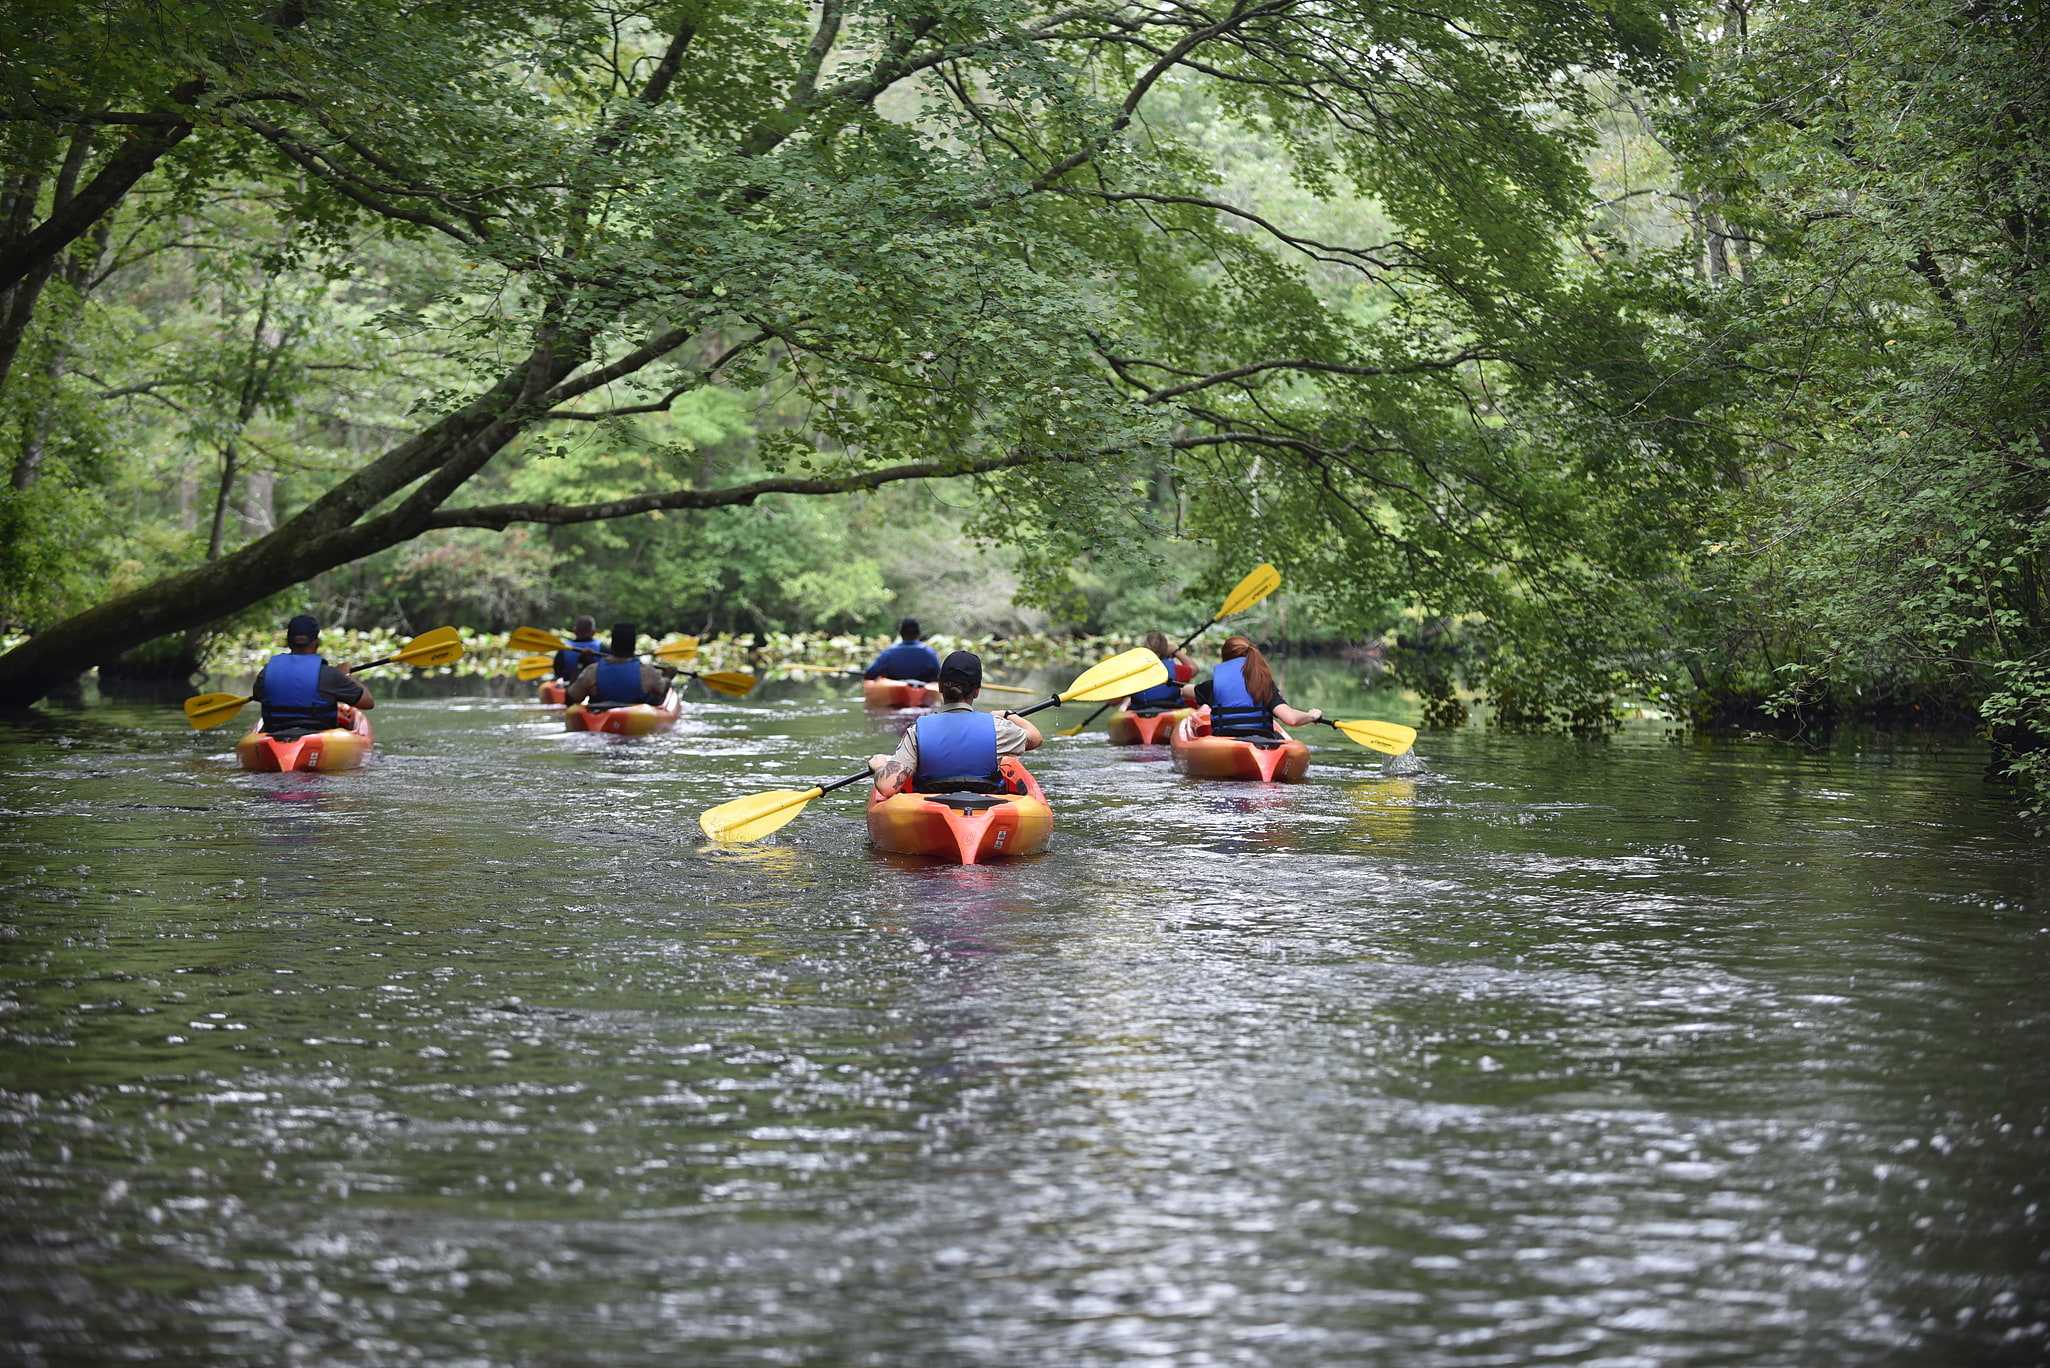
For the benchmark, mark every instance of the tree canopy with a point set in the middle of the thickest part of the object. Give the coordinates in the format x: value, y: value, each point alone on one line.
x: 981, y: 239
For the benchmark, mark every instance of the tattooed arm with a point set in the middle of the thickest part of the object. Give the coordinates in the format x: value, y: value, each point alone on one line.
x: 893, y: 776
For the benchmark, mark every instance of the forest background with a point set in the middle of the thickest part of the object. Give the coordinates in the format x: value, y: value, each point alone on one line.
x: 1592, y: 353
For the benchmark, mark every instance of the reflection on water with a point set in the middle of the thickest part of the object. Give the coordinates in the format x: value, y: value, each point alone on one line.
x: 1386, y: 813
x: 1641, y: 1051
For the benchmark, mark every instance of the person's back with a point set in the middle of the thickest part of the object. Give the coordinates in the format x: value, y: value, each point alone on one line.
x: 955, y: 748
x: 571, y: 659
x: 1242, y: 696
x: 910, y: 659
x: 621, y: 678
x: 1168, y: 693
x: 301, y: 693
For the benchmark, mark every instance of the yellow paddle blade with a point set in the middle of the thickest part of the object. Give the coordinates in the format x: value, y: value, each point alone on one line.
x: 423, y: 655
x: 1003, y: 688
x: 727, y: 682
x: 536, y: 667
x: 822, y: 669
x: 1390, y: 738
x: 755, y: 816
x: 1075, y: 730
x: 682, y: 648
x: 1124, y: 673
x: 438, y: 634
x: 1264, y: 580
x: 210, y: 710
x: 534, y: 639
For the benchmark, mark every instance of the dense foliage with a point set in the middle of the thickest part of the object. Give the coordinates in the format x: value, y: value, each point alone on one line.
x: 980, y: 239
x: 1688, y: 353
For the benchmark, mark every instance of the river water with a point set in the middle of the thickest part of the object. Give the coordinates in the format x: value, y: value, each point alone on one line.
x: 1651, y: 1050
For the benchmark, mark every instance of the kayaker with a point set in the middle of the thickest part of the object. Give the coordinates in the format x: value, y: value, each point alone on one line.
x: 299, y: 690
x: 1168, y: 694
x: 571, y: 659
x: 954, y: 748
x: 1242, y: 697
x: 620, y: 676
x: 909, y: 659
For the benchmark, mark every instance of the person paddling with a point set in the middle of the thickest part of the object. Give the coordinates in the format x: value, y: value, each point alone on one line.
x: 910, y: 659
x: 1242, y: 696
x: 572, y: 658
x: 301, y: 693
x: 954, y: 748
x: 1180, y: 670
x: 621, y: 677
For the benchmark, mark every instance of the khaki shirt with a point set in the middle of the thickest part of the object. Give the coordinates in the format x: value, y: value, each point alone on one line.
x: 1011, y: 738
x: 654, y: 683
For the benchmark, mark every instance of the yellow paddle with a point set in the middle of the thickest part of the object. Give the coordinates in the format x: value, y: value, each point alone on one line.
x: 439, y: 647
x: 534, y: 639
x: 1390, y: 738
x: 759, y: 814
x: 682, y: 648
x: 1264, y: 580
x: 535, y: 666
x: 725, y: 681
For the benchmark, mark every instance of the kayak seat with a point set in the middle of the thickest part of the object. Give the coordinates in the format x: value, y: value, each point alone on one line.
x: 967, y: 802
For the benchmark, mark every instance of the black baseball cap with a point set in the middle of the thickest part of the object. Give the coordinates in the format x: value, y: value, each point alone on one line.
x: 962, y: 669
x: 302, y: 628
x: 624, y: 638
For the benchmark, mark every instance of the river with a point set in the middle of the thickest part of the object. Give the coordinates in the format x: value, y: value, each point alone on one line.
x: 1648, y: 1050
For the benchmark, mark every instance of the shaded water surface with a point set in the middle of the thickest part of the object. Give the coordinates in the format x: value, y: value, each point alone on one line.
x: 1646, y: 1051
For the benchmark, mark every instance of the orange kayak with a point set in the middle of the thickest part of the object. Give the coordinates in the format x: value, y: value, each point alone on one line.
x: 967, y: 828
x: 338, y: 748
x: 631, y: 719
x: 1200, y: 755
x: 555, y: 693
x: 1144, y: 729
x: 898, y: 693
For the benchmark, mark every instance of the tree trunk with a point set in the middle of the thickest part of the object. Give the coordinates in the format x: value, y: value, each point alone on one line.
x: 78, y: 277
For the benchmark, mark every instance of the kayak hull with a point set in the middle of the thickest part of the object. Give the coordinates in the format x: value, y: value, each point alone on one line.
x: 634, y: 719
x: 1200, y: 755
x: 964, y: 828
x: 898, y: 693
x: 1144, y: 729
x: 338, y: 748
x: 555, y: 693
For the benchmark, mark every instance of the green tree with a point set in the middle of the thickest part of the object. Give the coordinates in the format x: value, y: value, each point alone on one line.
x: 954, y: 241
x: 1875, y: 317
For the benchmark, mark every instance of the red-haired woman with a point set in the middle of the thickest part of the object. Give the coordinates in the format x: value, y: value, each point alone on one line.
x: 1241, y: 694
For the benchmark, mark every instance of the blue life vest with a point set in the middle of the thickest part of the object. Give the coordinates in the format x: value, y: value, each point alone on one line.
x: 957, y: 750
x: 569, y: 661
x: 619, y: 681
x: 1233, y: 711
x: 1160, y: 696
x: 291, y: 696
x: 905, y: 660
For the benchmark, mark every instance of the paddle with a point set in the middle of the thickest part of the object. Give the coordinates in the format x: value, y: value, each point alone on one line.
x: 1390, y: 738
x: 534, y: 639
x: 536, y: 666
x: 1263, y: 580
x: 725, y: 682
x: 439, y: 647
x: 856, y: 669
x: 759, y: 814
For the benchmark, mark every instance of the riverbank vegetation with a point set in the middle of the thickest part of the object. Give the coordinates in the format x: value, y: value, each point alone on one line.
x: 1601, y: 351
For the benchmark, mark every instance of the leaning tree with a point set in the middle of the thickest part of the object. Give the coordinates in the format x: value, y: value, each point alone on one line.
x: 974, y: 237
